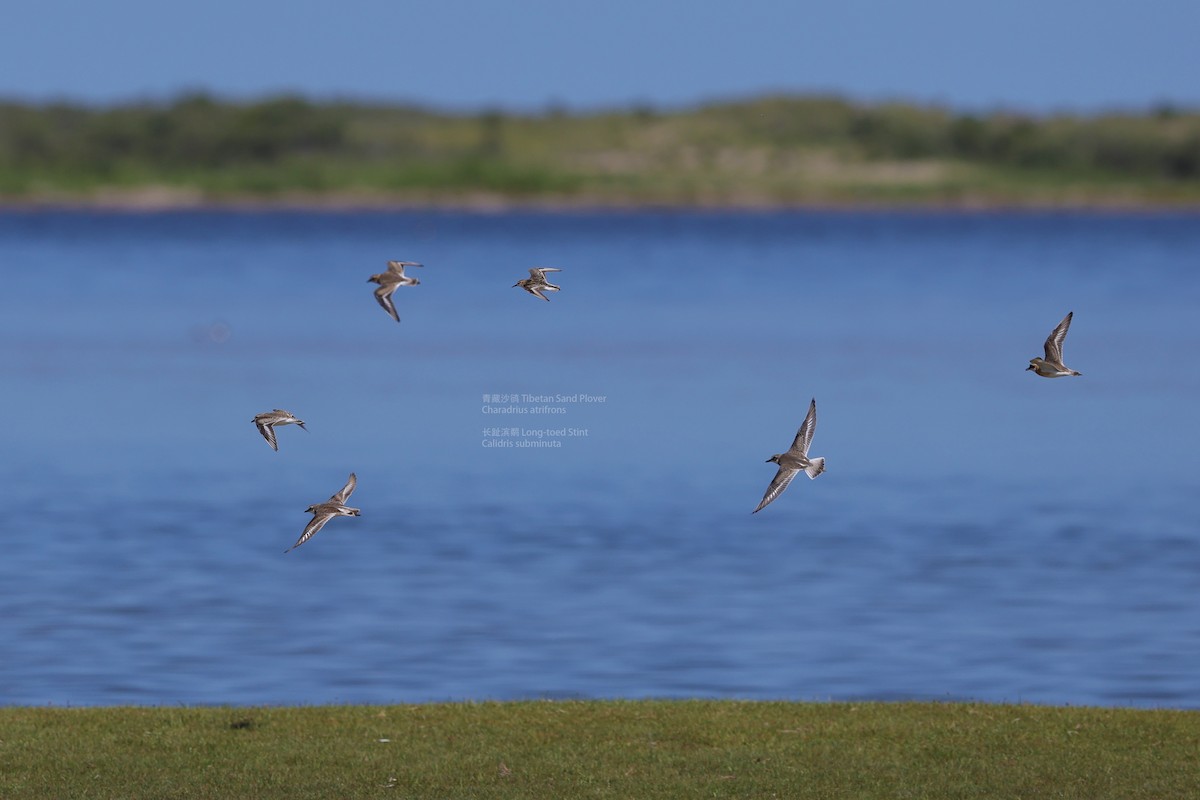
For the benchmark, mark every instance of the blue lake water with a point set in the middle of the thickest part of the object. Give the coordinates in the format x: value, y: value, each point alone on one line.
x: 980, y: 533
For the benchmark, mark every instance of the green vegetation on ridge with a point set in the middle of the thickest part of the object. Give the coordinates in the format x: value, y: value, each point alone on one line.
x: 620, y: 749
x: 770, y: 150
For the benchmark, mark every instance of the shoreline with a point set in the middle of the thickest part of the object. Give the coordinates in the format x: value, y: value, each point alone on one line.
x: 154, y: 200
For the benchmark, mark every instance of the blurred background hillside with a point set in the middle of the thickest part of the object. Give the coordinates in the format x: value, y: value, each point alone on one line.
x: 768, y: 150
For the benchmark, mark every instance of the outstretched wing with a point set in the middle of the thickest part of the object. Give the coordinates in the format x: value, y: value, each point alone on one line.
x: 539, y: 273
x: 780, y: 482
x: 1054, y: 342
x: 398, y: 266
x: 344, y: 494
x: 384, y: 295
x: 804, y: 435
x: 269, y: 434
x: 314, y: 525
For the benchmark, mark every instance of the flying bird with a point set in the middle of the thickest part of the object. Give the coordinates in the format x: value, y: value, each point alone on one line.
x: 536, y: 283
x: 267, y: 421
x: 794, y: 460
x: 323, y: 512
x: 390, y: 280
x: 1052, y: 365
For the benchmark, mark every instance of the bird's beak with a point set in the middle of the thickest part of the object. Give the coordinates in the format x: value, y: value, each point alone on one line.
x: 515, y: 285
x: 1029, y: 368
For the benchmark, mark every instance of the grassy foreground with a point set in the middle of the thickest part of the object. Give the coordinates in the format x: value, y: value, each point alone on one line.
x: 618, y: 749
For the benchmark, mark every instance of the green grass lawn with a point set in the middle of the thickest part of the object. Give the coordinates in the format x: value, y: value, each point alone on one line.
x: 604, y: 749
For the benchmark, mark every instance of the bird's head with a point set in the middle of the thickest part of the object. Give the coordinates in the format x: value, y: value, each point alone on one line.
x: 774, y: 458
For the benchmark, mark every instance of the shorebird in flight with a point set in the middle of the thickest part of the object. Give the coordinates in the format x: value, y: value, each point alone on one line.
x: 794, y: 460
x: 390, y: 280
x: 267, y: 421
x: 1052, y: 365
x: 536, y: 283
x: 323, y: 512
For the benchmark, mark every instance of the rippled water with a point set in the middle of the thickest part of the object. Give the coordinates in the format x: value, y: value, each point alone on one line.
x: 979, y: 533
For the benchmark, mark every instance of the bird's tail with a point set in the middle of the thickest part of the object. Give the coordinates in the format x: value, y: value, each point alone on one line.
x: 815, y: 467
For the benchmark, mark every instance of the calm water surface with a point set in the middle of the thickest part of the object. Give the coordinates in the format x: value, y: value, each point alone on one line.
x: 980, y: 532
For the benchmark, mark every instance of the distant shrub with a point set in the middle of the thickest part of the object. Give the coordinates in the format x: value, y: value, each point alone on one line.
x: 290, y: 142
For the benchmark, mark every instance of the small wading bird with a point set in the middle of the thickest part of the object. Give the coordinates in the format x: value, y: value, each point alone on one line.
x: 1052, y: 365
x: 794, y: 460
x: 391, y: 280
x: 267, y: 421
x: 323, y: 512
x: 536, y: 283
